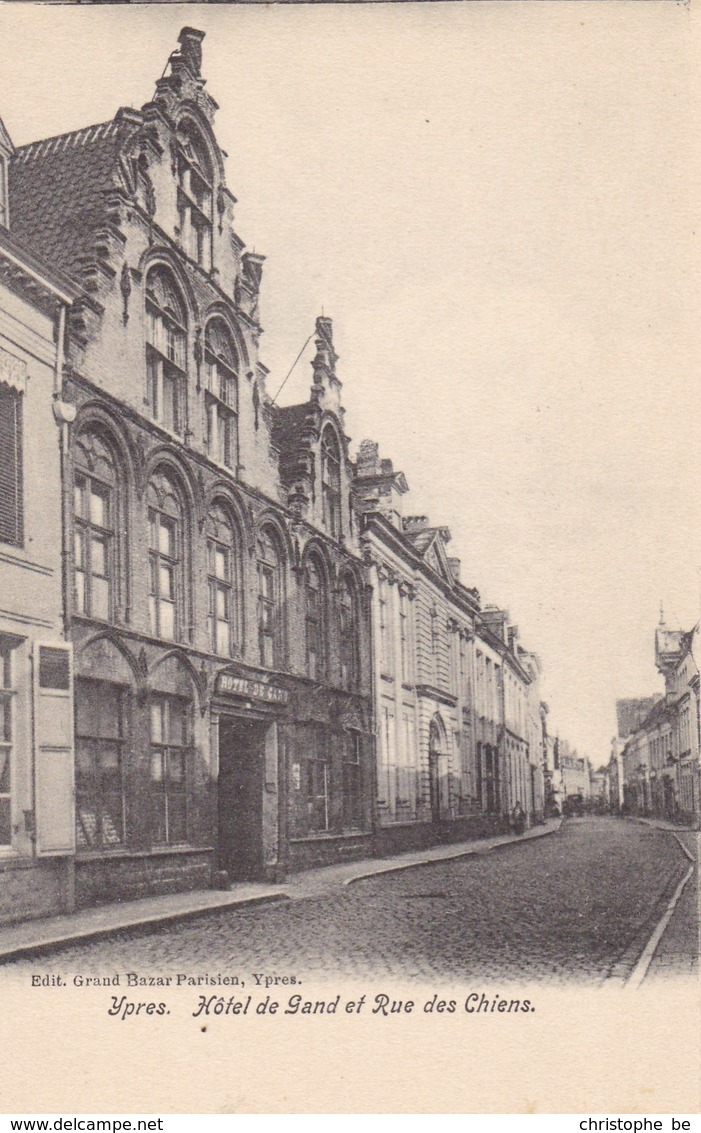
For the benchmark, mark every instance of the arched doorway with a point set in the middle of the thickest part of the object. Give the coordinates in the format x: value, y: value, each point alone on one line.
x: 439, y: 771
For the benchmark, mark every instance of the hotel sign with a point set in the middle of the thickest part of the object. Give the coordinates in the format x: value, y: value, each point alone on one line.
x: 256, y: 690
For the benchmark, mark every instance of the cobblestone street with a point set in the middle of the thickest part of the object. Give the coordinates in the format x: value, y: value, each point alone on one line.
x: 562, y: 908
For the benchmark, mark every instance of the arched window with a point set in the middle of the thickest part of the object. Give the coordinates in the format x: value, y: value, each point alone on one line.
x: 222, y: 394
x: 331, y: 482
x: 224, y: 567
x: 166, y: 339
x: 165, y: 558
x: 269, y: 600
x: 194, y: 196
x: 96, y: 521
x: 315, y: 617
x: 348, y: 625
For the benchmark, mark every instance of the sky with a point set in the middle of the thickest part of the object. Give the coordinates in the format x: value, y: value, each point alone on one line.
x: 493, y: 202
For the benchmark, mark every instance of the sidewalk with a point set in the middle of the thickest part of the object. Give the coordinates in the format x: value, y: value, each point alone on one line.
x: 677, y: 951
x: 37, y: 937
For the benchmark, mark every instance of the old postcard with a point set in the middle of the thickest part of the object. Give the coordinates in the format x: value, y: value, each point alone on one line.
x: 350, y: 727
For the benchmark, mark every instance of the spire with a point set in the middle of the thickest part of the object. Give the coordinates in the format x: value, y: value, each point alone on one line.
x: 662, y: 621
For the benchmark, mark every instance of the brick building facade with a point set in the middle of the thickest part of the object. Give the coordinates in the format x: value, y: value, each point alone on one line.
x: 217, y: 603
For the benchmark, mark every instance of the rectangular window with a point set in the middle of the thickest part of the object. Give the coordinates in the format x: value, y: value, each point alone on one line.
x: 222, y: 434
x: 318, y: 782
x: 6, y: 698
x: 352, y: 783
x: 164, y: 380
x: 404, y: 640
x: 385, y: 632
x: 92, y: 547
x: 220, y: 598
x: 266, y: 614
x: 387, y: 779
x: 11, y: 502
x: 99, y: 784
x: 170, y: 739
x: 163, y: 567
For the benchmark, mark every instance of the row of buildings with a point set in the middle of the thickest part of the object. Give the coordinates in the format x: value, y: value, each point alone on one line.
x: 226, y: 651
x: 655, y: 763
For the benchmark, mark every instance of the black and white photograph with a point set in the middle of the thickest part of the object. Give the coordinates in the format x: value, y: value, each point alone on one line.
x: 350, y: 566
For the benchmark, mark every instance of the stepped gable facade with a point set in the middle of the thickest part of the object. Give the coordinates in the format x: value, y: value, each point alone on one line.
x: 216, y: 597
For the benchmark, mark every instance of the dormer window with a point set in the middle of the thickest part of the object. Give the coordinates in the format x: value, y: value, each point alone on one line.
x: 195, y: 197
x: 165, y: 350
x: 331, y: 482
x: 222, y: 394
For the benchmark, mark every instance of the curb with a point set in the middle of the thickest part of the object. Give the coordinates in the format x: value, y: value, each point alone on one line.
x: 474, y: 851
x: 145, y: 925
x: 625, y: 967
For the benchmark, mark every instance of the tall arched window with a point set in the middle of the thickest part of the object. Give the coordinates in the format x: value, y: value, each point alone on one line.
x: 224, y: 567
x: 348, y: 626
x: 222, y: 394
x: 194, y: 196
x: 315, y: 617
x: 331, y: 482
x: 165, y: 520
x: 96, y: 521
x: 165, y: 350
x: 269, y: 600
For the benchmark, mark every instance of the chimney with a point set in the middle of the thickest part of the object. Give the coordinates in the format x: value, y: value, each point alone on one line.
x: 377, y: 488
x: 190, y: 54
x: 454, y: 565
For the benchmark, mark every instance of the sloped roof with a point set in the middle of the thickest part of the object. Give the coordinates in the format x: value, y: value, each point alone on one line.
x: 57, y: 188
x: 420, y: 540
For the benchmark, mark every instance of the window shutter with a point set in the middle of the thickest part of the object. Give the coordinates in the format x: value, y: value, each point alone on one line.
x: 53, y: 738
x: 10, y: 465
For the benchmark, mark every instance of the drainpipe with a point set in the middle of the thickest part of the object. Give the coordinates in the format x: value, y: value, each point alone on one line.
x: 64, y: 415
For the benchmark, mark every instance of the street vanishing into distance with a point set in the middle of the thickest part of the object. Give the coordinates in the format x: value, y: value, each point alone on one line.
x: 577, y: 906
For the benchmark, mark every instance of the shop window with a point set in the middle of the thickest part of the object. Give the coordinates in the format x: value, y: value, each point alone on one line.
x: 194, y: 196
x: 7, y: 694
x: 348, y: 625
x: 94, y: 485
x: 224, y: 568
x: 170, y: 742
x: 165, y: 558
x: 318, y: 782
x: 331, y: 482
x: 99, y: 781
x: 11, y: 492
x: 165, y: 350
x: 269, y: 601
x: 221, y: 394
x: 352, y: 783
x: 315, y: 603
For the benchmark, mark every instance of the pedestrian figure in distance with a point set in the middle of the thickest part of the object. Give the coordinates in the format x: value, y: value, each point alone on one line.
x: 518, y: 819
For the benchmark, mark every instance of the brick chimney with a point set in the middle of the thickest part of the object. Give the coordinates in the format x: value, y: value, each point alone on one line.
x: 377, y: 488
